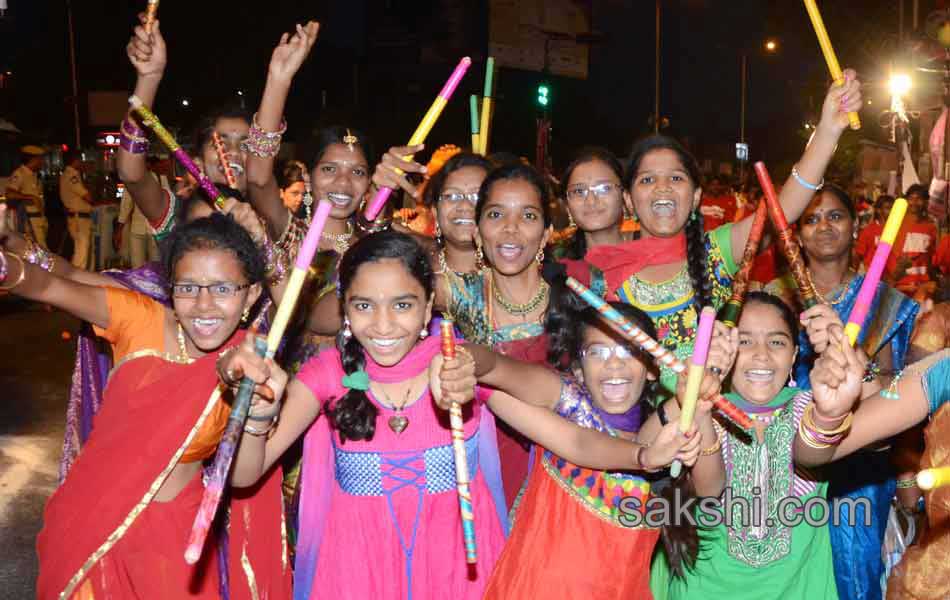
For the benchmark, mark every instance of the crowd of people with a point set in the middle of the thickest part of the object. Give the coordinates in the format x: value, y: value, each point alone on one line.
x: 344, y: 482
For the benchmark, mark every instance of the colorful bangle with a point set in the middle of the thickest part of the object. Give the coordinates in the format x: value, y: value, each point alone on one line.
x: 130, y: 128
x: 165, y: 226
x: 39, y: 256
x: 19, y: 279
x: 803, y: 183
x: 132, y: 145
x: 812, y: 441
x: 3, y: 266
x: 904, y: 484
x: 263, y: 144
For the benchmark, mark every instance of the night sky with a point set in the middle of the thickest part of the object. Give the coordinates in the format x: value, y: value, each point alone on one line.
x: 369, y: 66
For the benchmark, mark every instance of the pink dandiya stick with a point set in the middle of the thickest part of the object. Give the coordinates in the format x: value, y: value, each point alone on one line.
x: 235, y: 426
x: 663, y: 356
x: 151, y: 121
x: 461, y: 459
x: 223, y: 159
x: 694, y: 376
x: 428, y: 122
x: 862, y: 304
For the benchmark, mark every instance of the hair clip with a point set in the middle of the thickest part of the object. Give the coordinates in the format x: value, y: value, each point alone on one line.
x: 349, y: 139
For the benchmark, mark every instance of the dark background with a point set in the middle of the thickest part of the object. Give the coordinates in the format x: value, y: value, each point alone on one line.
x: 379, y: 63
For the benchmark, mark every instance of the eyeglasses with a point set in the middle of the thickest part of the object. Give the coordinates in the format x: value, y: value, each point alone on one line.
x: 219, y: 291
x: 456, y: 197
x: 603, y: 352
x: 600, y: 191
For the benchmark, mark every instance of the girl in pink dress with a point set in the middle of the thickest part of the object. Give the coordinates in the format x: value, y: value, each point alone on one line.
x: 379, y: 514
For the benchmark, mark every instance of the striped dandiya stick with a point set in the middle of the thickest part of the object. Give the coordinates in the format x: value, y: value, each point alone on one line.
x: 461, y: 460
x: 151, y: 121
x: 151, y: 12
x: 234, y: 429
x: 862, y: 304
x: 223, y: 159
x: 486, y: 107
x: 787, y: 238
x: 425, y: 126
x: 663, y: 356
x: 473, y: 116
x: 740, y: 283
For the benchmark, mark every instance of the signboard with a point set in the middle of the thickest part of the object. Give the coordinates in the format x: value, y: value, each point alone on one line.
x: 519, y: 29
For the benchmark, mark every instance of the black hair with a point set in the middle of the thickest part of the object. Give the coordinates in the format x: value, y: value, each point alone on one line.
x: 207, y: 123
x: 184, y: 206
x: 335, y: 134
x: 695, y: 237
x: 353, y: 415
x: 919, y: 189
x: 578, y: 245
x: 879, y: 203
x: 291, y: 172
x: 842, y: 197
x: 515, y: 172
x: 791, y: 321
x: 502, y: 158
x: 457, y: 162
x: 216, y: 232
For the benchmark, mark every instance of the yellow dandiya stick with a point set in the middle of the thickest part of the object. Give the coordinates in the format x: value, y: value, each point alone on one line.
x: 486, y: 107
x: 862, y: 304
x: 929, y: 479
x: 825, y: 42
x: 151, y: 11
x: 473, y: 113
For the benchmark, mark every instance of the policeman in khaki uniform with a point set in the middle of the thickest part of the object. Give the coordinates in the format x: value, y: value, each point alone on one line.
x: 77, y: 201
x: 24, y: 185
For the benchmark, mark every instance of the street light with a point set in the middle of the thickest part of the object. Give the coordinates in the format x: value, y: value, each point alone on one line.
x: 771, y: 45
x: 185, y: 102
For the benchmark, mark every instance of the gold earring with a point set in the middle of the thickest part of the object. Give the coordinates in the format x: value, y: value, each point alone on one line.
x: 570, y: 221
x: 539, y: 257
x: 246, y: 315
x: 479, y: 258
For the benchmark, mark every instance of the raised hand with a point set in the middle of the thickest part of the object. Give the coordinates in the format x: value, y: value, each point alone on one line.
x: 245, y: 216
x: 722, y: 350
x: 821, y: 322
x: 291, y: 51
x: 242, y: 361
x: 671, y: 444
x: 452, y: 380
x: 836, y: 378
x: 840, y: 101
x: 387, y: 173
x: 147, y: 51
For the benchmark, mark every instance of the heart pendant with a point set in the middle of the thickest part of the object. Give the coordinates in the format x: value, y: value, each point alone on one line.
x: 398, y: 423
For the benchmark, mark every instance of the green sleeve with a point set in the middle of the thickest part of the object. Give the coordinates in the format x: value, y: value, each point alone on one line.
x: 722, y: 237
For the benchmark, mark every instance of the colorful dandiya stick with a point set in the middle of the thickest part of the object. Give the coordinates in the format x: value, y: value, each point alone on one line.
x: 473, y: 114
x: 223, y: 159
x: 787, y: 238
x: 461, y: 460
x: 425, y: 126
x: 663, y: 356
x: 694, y: 376
x: 151, y: 11
x: 217, y: 481
x: 825, y: 42
x: 151, y: 121
x: 929, y: 479
x: 486, y: 107
x: 862, y: 304
x: 740, y: 283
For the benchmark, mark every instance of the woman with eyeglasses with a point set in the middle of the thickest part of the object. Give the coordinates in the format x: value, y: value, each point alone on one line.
x: 120, y: 521
x: 596, y: 201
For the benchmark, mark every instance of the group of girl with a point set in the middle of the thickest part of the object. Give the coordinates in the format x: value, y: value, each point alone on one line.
x: 568, y: 428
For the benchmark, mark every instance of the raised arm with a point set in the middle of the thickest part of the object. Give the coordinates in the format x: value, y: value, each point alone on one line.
x: 147, y: 54
x: 795, y: 196
x: 286, y: 60
x: 528, y: 382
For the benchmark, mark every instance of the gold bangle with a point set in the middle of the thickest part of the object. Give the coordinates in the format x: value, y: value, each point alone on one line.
x: 808, y: 418
x: 809, y: 439
x: 712, y: 449
x: 22, y: 276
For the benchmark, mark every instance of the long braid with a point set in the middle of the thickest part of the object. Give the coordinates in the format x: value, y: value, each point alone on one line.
x: 353, y: 415
x: 696, y: 261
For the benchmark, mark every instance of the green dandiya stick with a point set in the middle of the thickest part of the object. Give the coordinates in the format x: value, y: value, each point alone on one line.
x: 486, y: 106
x: 473, y: 110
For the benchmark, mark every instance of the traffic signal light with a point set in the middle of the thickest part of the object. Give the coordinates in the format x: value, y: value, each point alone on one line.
x: 544, y: 95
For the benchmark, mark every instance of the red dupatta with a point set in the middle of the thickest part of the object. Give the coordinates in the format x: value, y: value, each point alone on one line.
x: 152, y: 411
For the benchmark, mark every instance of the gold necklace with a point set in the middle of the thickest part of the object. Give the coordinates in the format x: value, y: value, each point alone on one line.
x: 821, y: 297
x: 398, y: 422
x: 182, y: 348
x: 520, y: 310
x: 341, y: 241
